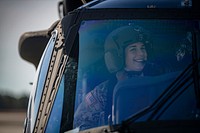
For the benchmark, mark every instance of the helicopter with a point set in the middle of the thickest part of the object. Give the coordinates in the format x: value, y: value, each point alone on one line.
x: 85, y: 83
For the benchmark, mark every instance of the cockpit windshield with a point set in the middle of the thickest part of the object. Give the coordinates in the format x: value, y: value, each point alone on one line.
x: 125, y: 65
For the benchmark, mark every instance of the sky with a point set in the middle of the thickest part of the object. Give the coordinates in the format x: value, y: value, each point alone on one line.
x: 17, y: 17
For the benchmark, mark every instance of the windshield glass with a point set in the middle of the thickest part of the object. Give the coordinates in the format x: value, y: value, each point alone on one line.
x: 125, y: 65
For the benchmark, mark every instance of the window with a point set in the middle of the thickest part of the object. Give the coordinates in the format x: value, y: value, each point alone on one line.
x: 107, y: 87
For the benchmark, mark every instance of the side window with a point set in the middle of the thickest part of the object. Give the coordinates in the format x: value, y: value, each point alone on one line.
x: 54, y: 122
x: 40, y: 77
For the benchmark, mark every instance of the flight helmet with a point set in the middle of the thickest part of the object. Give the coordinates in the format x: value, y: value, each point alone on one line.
x: 116, y: 42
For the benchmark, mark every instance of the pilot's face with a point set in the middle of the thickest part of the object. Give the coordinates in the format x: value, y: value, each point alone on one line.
x: 135, y: 57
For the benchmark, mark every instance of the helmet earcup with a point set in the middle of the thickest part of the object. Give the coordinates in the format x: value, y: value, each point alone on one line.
x: 113, y: 60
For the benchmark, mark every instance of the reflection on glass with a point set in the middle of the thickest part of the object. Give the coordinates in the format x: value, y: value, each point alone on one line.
x: 54, y: 122
x: 41, y: 76
x: 139, y: 58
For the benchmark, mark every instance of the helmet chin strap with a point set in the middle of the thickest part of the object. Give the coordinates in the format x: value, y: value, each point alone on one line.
x: 128, y: 70
x: 134, y: 73
x: 124, y: 74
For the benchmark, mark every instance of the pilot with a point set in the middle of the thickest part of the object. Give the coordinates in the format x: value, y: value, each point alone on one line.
x: 126, y: 55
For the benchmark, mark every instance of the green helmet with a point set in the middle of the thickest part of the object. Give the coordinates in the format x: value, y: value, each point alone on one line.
x: 116, y: 42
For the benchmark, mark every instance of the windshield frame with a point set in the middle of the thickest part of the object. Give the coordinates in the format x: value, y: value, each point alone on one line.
x: 77, y: 16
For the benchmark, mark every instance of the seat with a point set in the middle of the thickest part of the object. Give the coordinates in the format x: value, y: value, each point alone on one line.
x: 135, y: 94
